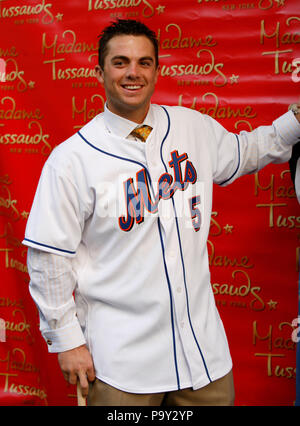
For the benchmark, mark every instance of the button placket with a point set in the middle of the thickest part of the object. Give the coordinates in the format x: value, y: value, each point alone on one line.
x: 171, y: 243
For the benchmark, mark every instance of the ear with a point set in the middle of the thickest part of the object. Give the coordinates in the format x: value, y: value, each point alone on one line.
x: 99, y: 74
x: 158, y: 69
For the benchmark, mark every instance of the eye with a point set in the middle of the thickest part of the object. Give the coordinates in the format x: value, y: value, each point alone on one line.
x: 118, y: 63
x: 146, y: 63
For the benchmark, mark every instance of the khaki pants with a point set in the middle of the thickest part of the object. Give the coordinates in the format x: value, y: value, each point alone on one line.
x: 219, y: 392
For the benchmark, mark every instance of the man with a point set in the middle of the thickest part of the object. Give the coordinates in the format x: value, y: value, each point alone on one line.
x: 124, y: 223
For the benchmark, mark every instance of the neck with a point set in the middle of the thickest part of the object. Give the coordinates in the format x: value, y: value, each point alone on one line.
x: 136, y: 115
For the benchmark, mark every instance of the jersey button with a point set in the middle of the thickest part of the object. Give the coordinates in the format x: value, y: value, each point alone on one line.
x: 179, y: 289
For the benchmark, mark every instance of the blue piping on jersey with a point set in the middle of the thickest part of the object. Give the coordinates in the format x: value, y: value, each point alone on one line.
x: 114, y: 155
x: 238, y: 165
x: 51, y: 247
x: 181, y: 254
x: 161, y: 241
x: 171, y: 302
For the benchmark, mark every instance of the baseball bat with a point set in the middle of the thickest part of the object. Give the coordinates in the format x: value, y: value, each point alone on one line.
x: 81, y: 400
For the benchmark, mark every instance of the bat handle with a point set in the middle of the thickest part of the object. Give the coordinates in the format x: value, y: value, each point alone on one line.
x: 81, y: 400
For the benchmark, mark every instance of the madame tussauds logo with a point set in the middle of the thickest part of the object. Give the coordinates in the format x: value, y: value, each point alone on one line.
x: 2, y: 71
x: 28, y: 9
x: 148, y: 10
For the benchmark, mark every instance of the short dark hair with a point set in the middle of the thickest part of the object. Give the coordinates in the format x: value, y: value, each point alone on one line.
x: 125, y: 27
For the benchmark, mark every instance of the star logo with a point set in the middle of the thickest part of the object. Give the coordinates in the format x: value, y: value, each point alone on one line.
x: 160, y: 9
x: 25, y: 214
x: 272, y: 305
x: 234, y: 79
x: 59, y: 16
x: 228, y: 229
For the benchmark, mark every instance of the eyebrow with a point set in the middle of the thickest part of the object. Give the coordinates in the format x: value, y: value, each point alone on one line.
x: 125, y: 58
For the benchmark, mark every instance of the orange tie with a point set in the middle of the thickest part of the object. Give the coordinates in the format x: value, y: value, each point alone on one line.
x: 142, y: 132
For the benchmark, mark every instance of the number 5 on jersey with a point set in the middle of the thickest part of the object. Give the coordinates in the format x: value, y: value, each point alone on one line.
x: 195, y: 212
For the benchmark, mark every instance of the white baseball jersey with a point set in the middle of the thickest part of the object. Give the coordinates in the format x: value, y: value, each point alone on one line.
x: 135, y: 218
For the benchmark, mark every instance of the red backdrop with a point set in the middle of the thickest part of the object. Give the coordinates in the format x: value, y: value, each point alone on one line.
x: 231, y: 59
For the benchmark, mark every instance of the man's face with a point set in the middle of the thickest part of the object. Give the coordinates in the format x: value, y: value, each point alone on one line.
x: 129, y: 76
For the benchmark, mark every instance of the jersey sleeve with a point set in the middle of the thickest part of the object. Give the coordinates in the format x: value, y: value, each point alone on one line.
x: 56, y: 218
x: 235, y: 155
x: 52, y: 283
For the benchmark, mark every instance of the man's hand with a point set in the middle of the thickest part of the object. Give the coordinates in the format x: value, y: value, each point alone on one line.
x: 77, y: 364
x: 296, y: 109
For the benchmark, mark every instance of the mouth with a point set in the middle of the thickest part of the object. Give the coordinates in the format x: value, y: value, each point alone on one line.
x: 132, y: 87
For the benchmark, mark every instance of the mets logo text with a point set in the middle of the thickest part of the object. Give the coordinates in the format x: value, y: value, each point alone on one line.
x: 138, y: 195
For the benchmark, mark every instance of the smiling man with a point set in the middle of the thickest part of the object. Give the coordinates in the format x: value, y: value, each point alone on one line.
x: 129, y: 74
x: 143, y: 328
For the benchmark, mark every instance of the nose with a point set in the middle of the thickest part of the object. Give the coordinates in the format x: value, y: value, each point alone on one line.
x: 132, y: 70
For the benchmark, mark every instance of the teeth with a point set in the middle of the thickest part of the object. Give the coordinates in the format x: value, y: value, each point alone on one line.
x: 132, y: 87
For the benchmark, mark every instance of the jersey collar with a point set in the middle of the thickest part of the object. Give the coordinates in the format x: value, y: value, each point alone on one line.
x: 122, y: 127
